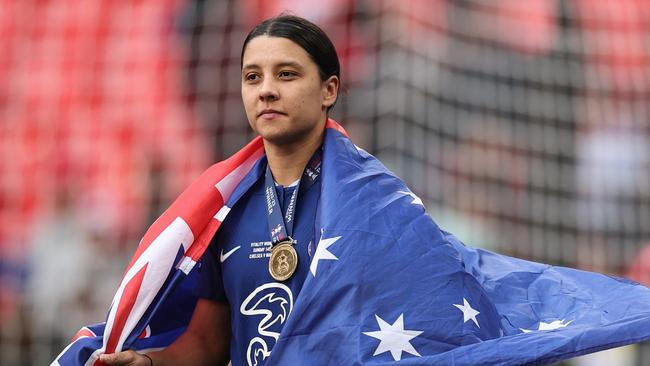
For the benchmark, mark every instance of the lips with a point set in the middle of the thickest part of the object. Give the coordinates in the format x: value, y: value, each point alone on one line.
x: 270, y: 114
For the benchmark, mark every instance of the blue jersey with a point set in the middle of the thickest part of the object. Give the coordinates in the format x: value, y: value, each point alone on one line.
x: 235, y: 268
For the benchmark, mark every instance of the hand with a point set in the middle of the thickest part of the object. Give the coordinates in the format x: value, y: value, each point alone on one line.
x: 126, y: 358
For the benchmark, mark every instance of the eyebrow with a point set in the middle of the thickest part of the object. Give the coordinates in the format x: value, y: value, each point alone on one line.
x: 279, y: 65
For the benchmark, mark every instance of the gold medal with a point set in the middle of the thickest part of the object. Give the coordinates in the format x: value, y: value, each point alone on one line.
x: 283, y: 261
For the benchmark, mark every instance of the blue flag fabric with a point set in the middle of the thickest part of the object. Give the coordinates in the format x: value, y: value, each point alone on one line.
x: 401, y: 288
x: 386, y: 284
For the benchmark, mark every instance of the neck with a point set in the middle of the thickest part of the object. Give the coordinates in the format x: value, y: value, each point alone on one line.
x: 287, y: 162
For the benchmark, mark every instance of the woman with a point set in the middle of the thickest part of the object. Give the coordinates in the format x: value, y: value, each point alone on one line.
x: 342, y: 265
x: 290, y: 80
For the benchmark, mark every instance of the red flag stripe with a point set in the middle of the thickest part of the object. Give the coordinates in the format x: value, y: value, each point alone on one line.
x: 83, y: 332
x: 125, y: 305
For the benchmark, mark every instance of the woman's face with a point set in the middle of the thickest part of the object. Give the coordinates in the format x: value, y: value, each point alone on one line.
x: 284, y: 97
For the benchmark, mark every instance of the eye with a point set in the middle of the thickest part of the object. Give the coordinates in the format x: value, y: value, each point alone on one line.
x: 251, y: 77
x: 287, y: 75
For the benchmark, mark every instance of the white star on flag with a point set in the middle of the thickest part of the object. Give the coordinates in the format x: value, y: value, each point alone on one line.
x: 322, y: 253
x: 468, y: 312
x: 556, y: 324
x: 416, y: 199
x: 394, y: 338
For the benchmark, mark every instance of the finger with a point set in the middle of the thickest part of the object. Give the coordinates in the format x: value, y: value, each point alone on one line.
x: 119, y: 358
x: 107, y: 358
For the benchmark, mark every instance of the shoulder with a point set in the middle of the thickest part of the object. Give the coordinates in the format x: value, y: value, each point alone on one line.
x: 359, y: 192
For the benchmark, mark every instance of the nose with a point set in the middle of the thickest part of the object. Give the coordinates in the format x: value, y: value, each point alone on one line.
x: 268, y: 90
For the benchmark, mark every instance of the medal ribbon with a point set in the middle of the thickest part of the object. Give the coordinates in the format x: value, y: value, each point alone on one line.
x: 281, y: 228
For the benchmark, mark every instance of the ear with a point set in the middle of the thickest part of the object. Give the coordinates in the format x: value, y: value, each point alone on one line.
x: 330, y: 91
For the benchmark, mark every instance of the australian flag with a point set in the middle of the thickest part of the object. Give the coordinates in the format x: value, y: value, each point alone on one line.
x: 386, y: 284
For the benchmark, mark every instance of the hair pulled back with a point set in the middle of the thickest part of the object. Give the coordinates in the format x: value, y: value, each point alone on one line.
x: 307, y: 35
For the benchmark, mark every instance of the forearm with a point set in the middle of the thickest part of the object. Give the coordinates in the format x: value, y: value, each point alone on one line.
x: 191, y: 349
x: 205, y: 342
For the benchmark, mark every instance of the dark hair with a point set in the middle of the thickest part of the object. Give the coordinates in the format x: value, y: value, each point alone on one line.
x: 304, y: 33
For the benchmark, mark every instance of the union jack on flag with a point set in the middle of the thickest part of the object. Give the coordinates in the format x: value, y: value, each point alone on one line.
x: 165, y: 256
